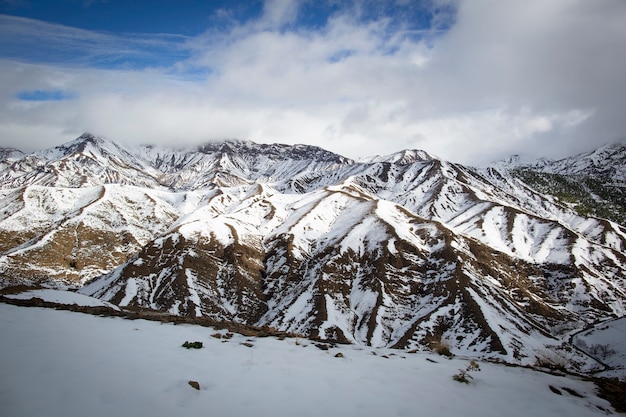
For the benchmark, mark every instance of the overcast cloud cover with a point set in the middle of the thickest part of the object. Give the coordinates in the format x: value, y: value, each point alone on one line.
x: 470, y: 81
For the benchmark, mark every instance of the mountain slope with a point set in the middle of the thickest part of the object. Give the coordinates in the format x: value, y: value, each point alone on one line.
x: 592, y: 183
x: 75, y: 234
x: 341, y: 264
x: 405, y: 250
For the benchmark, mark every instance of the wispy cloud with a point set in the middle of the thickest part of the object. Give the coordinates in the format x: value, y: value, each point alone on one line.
x: 41, y: 42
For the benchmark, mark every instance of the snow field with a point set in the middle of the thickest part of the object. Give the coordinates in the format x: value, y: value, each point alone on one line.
x: 64, y: 363
x: 62, y: 297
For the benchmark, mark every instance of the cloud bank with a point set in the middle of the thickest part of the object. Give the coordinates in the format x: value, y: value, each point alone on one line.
x: 473, y: 82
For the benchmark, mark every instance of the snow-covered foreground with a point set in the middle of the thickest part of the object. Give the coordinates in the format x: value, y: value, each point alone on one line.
x: 60, y: 363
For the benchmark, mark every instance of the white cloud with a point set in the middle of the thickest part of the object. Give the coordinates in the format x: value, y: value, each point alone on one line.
x: 504, y: 78
x: 559, y: 58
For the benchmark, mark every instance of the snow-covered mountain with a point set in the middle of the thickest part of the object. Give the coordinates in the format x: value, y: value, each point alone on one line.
x: 8, y: 156
x: 405, y: 250
x: 592, y: 183
x: 607, y: 162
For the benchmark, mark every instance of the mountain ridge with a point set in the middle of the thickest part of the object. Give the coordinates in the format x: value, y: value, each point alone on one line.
x: 592, y: 183
x: 406, y: 250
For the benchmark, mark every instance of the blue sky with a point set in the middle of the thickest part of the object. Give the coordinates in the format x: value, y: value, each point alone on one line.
x: 184, y: 17
x: 193, y: 17
x: 122, y: 34
x: 469, y: 80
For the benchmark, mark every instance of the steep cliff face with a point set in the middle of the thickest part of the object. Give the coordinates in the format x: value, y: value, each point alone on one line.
x: 405, y: 250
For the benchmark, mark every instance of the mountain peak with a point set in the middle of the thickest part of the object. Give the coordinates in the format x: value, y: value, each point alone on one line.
x: 404, y: 157
x: 87, y: 136
x: 10, y: 153
x: 80, y: 144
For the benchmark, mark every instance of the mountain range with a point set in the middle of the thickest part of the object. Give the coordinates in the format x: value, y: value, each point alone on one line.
x: 405, y: 250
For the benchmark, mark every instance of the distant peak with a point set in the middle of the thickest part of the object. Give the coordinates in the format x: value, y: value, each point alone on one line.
x: 274, y: 150
x: 516, y: 161
x: 85, y: 142
x: 404, y: 157
x: 86, y: 136
x: 83, y: 139
x: 610, y: 148
x: 607, y: 161
x: 513, y: 159
x: 414, y: 155
x: 9, y: 153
